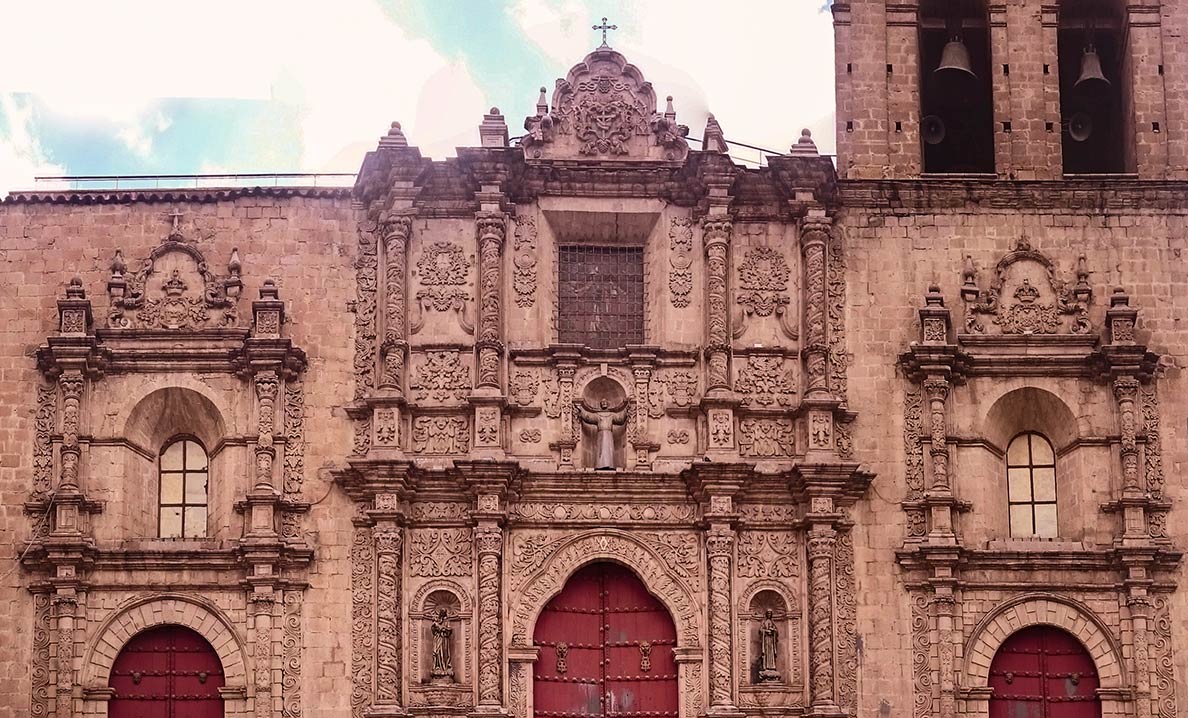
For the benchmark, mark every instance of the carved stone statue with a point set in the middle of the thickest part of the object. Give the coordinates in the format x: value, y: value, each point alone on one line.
x: 604, y: 420
x: 768, y: 649
x: 443, y: 655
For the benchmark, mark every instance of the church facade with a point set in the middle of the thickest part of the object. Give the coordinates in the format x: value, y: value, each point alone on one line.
x: 597, y: 421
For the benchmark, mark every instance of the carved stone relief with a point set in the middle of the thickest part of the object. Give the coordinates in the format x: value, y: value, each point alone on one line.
x: 440, y: 510
x: 434, y: 553
x: 441, y: 434
x: 766, y: 438
x: 39, y: 703
x: 441, y: 378
x: 913, y: 404
x: 366, y: 267
x: 763, y: 289
x: 768, y: 554
x: 291, y: 644
x: 524, y: 253
x: 43, y: 448
x: 1026, y: 297
x: 921, y: 663
x: 523, y: 386
x: 362, y: 618
x: 173, y: 290
x: 443, y: 271
x: 424, y: 609
x: 847, y: 630
x: 680, y: 261
x: 766, y: 381
x: 600, y: 512
x: 839, y: 359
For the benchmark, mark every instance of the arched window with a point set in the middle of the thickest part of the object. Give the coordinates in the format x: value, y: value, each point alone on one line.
x: 182, y: 468
x: 1031, y: 485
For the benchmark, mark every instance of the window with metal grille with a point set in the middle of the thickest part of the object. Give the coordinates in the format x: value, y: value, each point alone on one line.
x: 601, y: 296
x: 1031, y: 486
x: 182, y: 468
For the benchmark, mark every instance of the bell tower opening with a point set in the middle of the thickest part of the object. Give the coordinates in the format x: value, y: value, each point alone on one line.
x: 956, y: 93
x: 1093, y: 89
x: 606, y: 648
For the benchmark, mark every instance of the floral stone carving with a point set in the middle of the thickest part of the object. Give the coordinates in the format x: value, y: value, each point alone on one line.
x: 766, y: 381
x: 444, y: 272
x: 1026, y: 296
x: 763, y: 282
x: 442, y: 378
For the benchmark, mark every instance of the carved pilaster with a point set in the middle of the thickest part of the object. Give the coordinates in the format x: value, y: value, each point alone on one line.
x: 71, y: 385
x: 716, y: 238
x: 362, y: 620
x: 937, y: 390
x: 65, y: 603
x: 266, y: 388
x: 488, y: 544
x: 719, y: 544
x: 1140, y: 619
x: 366, y: 268
x: 814, y: 240
x: 945, y: 650
x: 821, y: 542
x: 396, y: 232
x: 262, y: 602
x: 1125, y: 391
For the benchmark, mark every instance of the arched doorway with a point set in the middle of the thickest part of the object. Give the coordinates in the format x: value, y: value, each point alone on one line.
x: 166, y: 672
x: 605, y: 649
x: 1043, y: 672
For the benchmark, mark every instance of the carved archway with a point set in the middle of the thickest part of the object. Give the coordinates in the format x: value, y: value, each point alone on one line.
x: 550, y: 568
x: 145, y: 612
x: 1041, y: 609
x: 1037, y: 609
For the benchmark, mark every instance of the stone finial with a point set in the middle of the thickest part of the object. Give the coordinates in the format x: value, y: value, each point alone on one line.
x: 74, y: 312
x: 713, y: 139
x: 118, y: 265
x: 395, y: 138
x: 805, y: 145
x: 233, y: 283
x: 493, y: 130
x: 75, y: 290
x: 934, y: 298
x: 669, y: 111
x: 1081, y: 290
x: 268, y: 290
x: 969, y: 280
x: 542, y: 103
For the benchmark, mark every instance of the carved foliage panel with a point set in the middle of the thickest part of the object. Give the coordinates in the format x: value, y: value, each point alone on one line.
x: 764, y: 285
x: 1026, y: 296
x: 440, y: 552
x: 443, y: 273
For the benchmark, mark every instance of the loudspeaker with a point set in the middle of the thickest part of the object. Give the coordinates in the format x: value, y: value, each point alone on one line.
x: 932, y: 130
x: 1080, y: 126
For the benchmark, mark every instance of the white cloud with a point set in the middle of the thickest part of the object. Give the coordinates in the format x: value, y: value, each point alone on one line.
x: 763, y: 67
x: 21, y: 155
x: 348, y: 67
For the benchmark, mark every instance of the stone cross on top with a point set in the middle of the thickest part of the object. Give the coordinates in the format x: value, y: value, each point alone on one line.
x: 176, y: 216
x: 604, y: 27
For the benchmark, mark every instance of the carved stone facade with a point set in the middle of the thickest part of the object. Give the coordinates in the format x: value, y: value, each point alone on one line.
x: 406, y: 465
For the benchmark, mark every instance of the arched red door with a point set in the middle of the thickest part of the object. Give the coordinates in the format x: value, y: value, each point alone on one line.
x: 1043, y: 672
x: 166, y: 672
x: 606, y: 649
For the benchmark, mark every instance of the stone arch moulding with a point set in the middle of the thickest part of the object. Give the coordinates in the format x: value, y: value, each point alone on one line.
x: 141, y: 418
x: 1042, y: 609
x: 608, y: 545
x: 1031, y: 408
x: 160, y: 609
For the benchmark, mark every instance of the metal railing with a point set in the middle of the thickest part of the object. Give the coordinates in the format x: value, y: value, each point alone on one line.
x: 194, y: 181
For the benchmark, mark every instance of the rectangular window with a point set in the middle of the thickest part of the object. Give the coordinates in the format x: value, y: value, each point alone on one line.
x: 600, y: 296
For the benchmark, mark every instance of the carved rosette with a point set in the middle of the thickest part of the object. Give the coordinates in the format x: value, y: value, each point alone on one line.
x: 821, y: 542
x: 388, y: 545
x: 813, y: 244
x: 488, y: 544
x: 396, y: 232
x: 71, y: 385
x: 716, y: 237
x: 491, y: 228
x: 718, y: 546
x: 1125, y: 392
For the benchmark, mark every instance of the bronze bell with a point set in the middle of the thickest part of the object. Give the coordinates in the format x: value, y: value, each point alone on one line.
x: 955, y: 59
x: 1091, y: 72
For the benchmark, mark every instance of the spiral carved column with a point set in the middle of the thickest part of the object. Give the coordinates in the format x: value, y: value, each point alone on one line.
x: 488, y: 541
x: 388, y: 546
x: 719, y: 544
x: 491, y: 227
x: 821, y: 542
x: 813, y: 244
x: 716, y: 236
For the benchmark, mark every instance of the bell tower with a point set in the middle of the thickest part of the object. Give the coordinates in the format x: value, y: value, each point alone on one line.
x: 1010, y: 89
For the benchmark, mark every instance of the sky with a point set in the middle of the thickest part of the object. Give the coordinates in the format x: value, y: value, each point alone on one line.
x: 126, y: 87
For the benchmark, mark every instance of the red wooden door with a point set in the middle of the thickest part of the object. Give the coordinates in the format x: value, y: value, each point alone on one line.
x: 1043, y: 672
x: 166, y: 672
x: 605, y: 649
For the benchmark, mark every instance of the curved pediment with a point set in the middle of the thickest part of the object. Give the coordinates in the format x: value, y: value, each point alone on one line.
x: 604, y: 109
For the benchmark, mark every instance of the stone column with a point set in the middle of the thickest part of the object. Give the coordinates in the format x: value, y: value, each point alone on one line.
x: 716, y: 237
x: 71, y: 384
x: 946, y: 653
x: 65, y: 603
x: 937, y: 389
x: 488, y: 543
x: 814, y: 238
x: 1134, y: 517
x: 821, y: 540
x: 263, y: 496
x: 389, y: 543
x: 1140, y: 618
x: 262, y: 601
x: 491, y: 227
x: 396, y: 232
x: 719, y: 544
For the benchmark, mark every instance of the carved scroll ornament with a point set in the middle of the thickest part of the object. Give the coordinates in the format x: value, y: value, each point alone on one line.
x: 173, y: 290
x: 1017, y: 305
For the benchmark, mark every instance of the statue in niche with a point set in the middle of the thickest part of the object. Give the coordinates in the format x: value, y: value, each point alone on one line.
x: 604, y: 420
x: 443, y: 655
x: 768, y: 649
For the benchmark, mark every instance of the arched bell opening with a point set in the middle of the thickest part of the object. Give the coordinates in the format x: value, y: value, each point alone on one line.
x: 1094, y: 94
